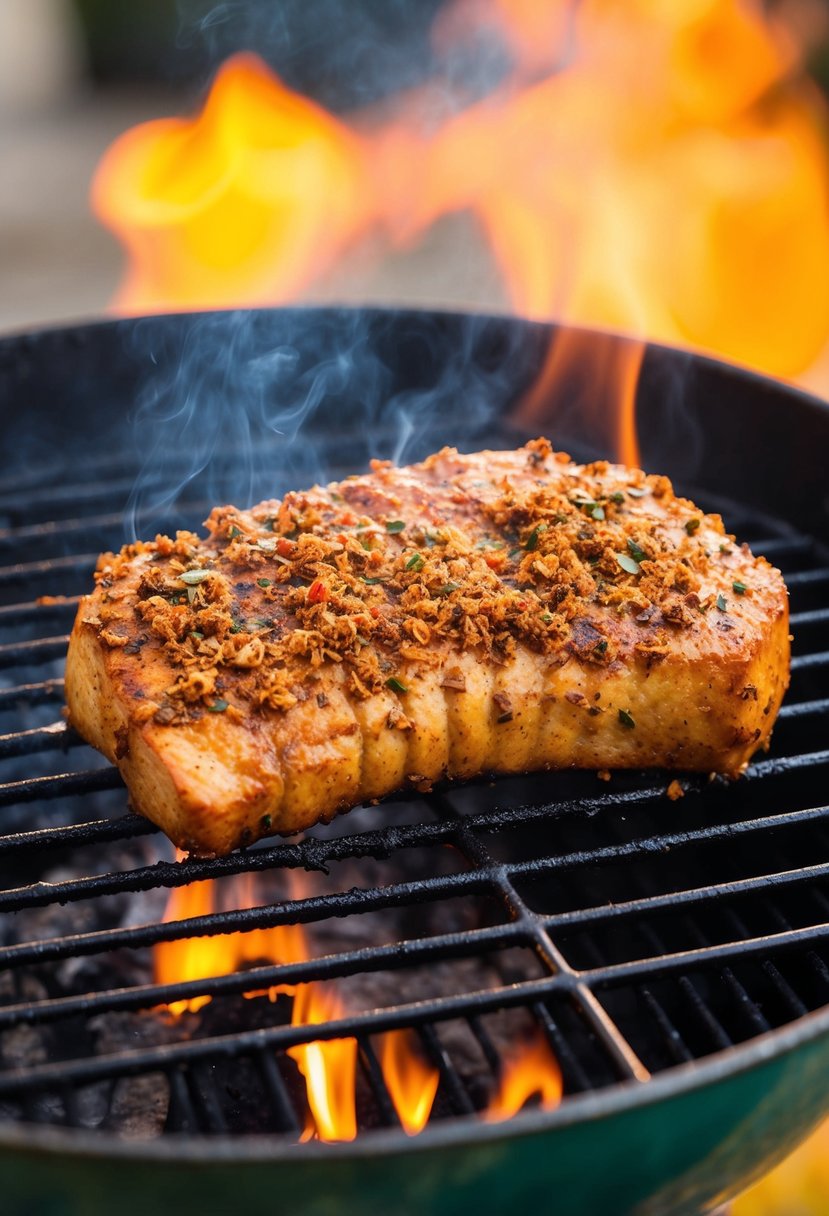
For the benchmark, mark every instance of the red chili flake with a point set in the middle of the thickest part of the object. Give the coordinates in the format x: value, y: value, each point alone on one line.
x: 317, y: 592
x: 375, y: 612
x: 285, y: 547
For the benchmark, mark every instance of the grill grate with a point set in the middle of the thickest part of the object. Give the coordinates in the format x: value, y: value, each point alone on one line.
x: 637, y: 934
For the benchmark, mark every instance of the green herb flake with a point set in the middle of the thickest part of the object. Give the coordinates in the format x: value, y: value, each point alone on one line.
x: 636, y: 551
x: 739, y: 588
x: 691, y: 526
x: 448, y: 588
x: 193, y: 577
x: 218, y: 707
x: 626, y: 719
x: 415, y: 562
x: 627, y: 563
x: 546, y: 617
x: 513, y: 553
x: 233, y: 532
x: 725, y: 548
x: 618, y: 497
x: 370, y: 582
x: 395, y: 525
x: 722, y: 603
x: 263, y: 582
x: 265, y: 821
x: 194, y: 633
x: 396, y: 685
x: 594, y: 510
x: 532, y: 539
x: 236, y: 627
x: 601, y: 647
x: 432, y: 539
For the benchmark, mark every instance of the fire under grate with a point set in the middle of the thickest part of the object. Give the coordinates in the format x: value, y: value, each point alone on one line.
x: 630, y: 932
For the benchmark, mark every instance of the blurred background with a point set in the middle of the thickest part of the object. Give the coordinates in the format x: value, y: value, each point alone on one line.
x: 650, y: 166
x: 655, y: 166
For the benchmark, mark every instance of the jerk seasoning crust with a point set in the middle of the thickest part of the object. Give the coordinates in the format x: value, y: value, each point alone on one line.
x: 497, y: 612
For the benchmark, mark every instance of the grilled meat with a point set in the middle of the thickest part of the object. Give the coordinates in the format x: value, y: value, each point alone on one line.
x: 496, y: 612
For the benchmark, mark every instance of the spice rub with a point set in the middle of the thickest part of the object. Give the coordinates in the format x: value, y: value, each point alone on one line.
x: 493, y: 612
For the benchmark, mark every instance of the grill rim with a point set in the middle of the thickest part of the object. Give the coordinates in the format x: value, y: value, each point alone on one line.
x: 621, y: 1096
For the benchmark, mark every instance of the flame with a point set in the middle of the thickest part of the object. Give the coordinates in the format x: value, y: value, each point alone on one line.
x: 329, y: 1067
x: 533, y: 1072
x: 646, y: 166
x: 411, y: 1082
x: 245, y: 203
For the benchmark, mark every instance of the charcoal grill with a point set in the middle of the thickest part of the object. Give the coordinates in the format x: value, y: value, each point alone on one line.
x: 674, y: 954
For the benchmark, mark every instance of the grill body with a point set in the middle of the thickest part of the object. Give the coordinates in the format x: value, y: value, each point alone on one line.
x: 100, y: 422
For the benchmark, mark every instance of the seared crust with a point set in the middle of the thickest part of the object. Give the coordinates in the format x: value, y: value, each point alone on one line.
x: 495, y: 612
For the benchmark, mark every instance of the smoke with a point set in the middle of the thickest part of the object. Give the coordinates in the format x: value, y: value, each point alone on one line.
x: 344, y: 53
x: 241, y: 406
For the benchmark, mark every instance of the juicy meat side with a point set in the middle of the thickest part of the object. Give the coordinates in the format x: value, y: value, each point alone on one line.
x: 497, y: 612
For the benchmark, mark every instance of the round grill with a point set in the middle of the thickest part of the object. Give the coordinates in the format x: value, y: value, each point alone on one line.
x: 635, y: 933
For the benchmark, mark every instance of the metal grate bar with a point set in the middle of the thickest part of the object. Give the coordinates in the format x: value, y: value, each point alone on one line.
x: 672, y: 964
x: 379, y: 1089
x: 125, y: 827
x: 32, y: 694
x: 617, y: 1047
x: 605, y: 913
x: 784, y: 989
x: 326, y: 967
x: 230, y: 1046
x: 60, y: 786
x: 800, y: 662
x: 278, y: 1094
x: 56, y: 735
x: 23, y: 614
x: 205, y: 1099
x: 803, y: 709
x: 315, y: 854
x: 63, y: 529
x: 720, y: 1039
x: 772, y: 546
x: 73, y: 496
x: 570, y: 1065
x: 32, y: 654
x: 807, y: 578
x: 181, y: 1104
x: 816, y: 616
x: 449, y: 1079
x: 368, y: 899
x: 53, y: 568
x: 668, y: 1032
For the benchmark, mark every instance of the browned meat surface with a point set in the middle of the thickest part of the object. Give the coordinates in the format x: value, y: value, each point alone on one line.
x: 494, y: 612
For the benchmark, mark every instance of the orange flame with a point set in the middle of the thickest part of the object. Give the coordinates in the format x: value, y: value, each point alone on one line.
x: 243, y: 204
x: 329, y: 1067
x: 650, y: 167
x: 411, y: 1082
x: 532, y: 1073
